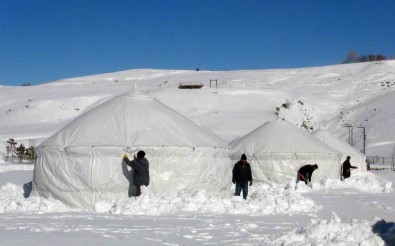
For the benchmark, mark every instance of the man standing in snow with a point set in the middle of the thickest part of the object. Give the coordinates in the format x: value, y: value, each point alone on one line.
x: 305, y: 173
x: 347, y: 168
x: 140, y: 168
x: 241, y: 176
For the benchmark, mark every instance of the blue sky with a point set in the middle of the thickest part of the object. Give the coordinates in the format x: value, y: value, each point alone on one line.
x: 42, y: 41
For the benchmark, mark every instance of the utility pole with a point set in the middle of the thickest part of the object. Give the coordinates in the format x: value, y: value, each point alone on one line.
x: 393, y: 159
x: 350, y: 133
x: 364, y: 138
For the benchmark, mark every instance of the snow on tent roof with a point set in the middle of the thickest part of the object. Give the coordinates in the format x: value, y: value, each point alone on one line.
x: 279, y: 137
x: 133, y: 119
x: 337, y: 144
x: 357, y: 158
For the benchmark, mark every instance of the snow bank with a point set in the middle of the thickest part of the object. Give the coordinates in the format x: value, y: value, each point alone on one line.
x: 364, y: 181
x: 263, y: 199
x: 329, y: 232
x: 11, y: 200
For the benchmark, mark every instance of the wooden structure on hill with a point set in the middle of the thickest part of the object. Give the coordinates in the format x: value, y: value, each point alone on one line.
x: 190, y: 85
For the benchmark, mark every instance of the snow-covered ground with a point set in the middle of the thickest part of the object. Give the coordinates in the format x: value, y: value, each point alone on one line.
x: 358, y: 211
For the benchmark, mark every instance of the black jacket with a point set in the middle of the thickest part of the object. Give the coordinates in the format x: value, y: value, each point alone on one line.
x: 347, y: 168
x: 242, y: 173
x: 140, y: 170
x: 307, y: 169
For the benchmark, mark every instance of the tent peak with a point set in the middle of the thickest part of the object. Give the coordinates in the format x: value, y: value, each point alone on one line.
x: 135, y: 93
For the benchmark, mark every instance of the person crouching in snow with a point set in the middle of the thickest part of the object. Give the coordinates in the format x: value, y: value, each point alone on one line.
x: 241, y: 176
x: 305, y: 173
x: 140, y: 166
x: 347, y: 168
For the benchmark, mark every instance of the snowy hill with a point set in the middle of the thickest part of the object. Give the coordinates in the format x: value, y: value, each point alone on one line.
x: 329, y: 212
x: 360, y: 94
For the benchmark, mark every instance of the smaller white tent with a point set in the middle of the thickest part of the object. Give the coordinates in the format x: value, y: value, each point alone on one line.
x: 358, y: 159
x: 277, y: 149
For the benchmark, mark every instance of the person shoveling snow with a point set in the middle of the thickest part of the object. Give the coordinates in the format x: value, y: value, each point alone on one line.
x: 305, y: 173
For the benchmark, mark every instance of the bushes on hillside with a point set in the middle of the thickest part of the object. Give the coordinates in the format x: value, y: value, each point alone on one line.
x: 353, y: 57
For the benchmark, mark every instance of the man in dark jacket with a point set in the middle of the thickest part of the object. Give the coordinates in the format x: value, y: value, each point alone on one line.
x: 347, y: 168
x: 241, y: 176
x: 140, y: 168
x: 305, y: 173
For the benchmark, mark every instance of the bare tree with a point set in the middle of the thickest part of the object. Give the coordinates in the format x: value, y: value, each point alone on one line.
x: 352, y: 57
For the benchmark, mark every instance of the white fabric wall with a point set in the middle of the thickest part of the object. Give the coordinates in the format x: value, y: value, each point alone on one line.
x: 82, y: 176
x: 282, y: 167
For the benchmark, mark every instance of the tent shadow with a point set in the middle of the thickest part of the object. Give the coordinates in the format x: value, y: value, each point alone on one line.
x: 385, y: 230
x: 27, y: 189
x: 128, y: 175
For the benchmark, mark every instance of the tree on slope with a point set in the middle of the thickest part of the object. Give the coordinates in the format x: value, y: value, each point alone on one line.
x: 11, y: 148
x: 20, y: 152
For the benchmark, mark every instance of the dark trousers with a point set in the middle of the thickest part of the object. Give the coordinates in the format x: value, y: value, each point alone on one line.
x: 305, y: 178
x: 138, y: 190
x: 347, y: 174
x: 134, y: 190
x: 240, y: 186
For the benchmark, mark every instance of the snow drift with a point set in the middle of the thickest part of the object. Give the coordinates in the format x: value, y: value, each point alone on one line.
x: 330, y: 232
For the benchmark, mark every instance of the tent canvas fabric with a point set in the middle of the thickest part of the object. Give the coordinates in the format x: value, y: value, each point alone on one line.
x: 277, y: 149
x: 82, y: 163
x: 358, y: 159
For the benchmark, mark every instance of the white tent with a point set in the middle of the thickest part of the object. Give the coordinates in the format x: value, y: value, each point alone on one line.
x: 277, y: 149
x: 357, y: 158
x: 81, y: 164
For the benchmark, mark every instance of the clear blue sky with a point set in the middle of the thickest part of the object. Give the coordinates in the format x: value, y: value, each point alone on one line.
x: 43, y: 41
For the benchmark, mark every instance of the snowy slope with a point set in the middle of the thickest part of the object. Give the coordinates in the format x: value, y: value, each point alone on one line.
x: 358, y: 211
x: 327, y: 96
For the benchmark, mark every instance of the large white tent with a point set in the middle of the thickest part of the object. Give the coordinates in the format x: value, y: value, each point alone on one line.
x: 357, y: 158
x: 277, y: 149
x: 82, y: 163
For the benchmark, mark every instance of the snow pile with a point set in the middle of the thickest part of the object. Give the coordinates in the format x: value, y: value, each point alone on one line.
x: 363, y: 181
x: 263, y: 199
x: 12, y: 200
x: 366, y: 182
x: 330, y: 232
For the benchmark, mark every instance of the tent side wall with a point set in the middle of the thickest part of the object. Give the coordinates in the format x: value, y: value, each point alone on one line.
x: 282, y: 167
x: 82, y: 176
x: 79, y: 176
x: 182, y: 168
